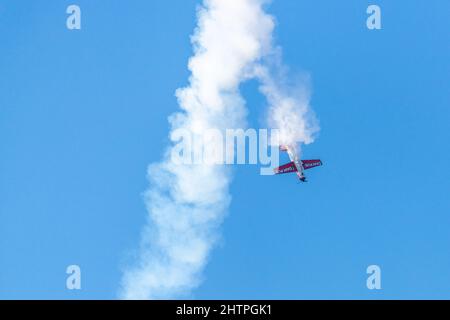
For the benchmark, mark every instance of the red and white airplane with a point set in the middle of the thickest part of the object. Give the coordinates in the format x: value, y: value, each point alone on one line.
x: 296, y: 165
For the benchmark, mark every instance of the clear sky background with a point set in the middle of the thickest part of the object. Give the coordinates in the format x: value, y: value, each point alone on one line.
x: 82, y: 114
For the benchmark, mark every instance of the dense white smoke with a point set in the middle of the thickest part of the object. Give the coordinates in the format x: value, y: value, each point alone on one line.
x: 289, y: 108
x: 186, y: 203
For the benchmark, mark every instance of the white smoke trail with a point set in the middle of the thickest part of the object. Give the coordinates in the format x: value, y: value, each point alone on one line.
x: 289, y: 102
x: 186, y: 203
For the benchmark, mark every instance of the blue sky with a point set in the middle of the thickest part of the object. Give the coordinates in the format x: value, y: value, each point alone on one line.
x: 82, y: 114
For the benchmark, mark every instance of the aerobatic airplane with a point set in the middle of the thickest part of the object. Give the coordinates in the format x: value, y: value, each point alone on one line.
x: 296, y: 165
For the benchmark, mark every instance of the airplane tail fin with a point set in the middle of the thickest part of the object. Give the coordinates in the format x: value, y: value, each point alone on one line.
x: 284, y: 148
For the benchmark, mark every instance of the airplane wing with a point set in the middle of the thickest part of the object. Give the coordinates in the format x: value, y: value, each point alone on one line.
x: 309, y: 164
x: 286, y: 168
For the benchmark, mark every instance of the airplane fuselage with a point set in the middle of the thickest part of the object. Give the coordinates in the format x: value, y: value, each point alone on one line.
x: 298, y: 165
